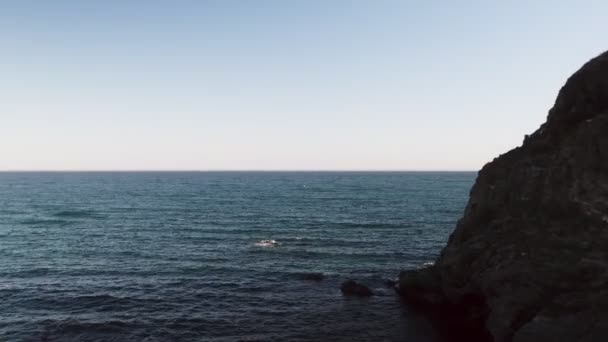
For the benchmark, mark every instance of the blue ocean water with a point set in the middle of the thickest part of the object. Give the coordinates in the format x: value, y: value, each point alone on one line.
x: 172, y: 256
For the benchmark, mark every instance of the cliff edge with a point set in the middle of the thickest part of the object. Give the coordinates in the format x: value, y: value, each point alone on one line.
x: 528, y: 261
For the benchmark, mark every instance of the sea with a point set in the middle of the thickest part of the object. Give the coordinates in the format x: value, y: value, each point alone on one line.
x: 181, y: 256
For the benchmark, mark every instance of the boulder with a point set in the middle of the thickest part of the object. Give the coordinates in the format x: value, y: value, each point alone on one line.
x: 352, y: 288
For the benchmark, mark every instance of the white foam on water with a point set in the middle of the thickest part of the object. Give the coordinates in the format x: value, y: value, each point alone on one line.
x: 267, y: 243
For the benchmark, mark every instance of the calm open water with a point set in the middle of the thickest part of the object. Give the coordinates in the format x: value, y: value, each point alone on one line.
x: 172, y: 256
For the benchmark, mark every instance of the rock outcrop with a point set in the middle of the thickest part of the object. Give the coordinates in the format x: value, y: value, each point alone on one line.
x: 529, y: 259
x: 352, y: 288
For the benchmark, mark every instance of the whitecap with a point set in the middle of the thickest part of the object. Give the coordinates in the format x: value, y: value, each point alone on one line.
x: 267, y: 243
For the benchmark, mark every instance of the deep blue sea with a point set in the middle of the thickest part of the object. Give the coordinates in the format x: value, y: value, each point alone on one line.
x: 175, y: 256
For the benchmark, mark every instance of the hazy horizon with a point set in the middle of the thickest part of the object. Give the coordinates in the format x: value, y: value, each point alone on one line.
x: 282, y: 86
x: 236, y: 171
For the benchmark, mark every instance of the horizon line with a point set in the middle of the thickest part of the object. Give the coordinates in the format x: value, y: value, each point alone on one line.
x: 232, y: 170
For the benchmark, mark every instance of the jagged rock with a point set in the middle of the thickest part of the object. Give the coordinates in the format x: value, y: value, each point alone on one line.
x: 352, y: 288
x: 529, y: 258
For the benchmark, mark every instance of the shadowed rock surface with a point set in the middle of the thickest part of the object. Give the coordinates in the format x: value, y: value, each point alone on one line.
x: 352, y: 288
x: 529, y: 259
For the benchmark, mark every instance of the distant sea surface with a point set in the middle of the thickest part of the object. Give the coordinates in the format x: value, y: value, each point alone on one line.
x: 175, y: 256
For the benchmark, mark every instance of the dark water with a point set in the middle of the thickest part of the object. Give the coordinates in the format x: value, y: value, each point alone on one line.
x: 173, y: 256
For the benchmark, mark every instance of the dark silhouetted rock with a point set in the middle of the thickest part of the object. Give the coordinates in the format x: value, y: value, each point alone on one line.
x: 391, y: 284
x: 423, y: 287
x: 352, y: 288
x: 529, y: 259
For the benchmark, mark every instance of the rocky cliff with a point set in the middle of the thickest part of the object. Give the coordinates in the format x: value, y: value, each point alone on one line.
x: 529, y: 259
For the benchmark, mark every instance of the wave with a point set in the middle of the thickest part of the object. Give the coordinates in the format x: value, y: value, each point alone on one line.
x: 79, y: 330
x: 267, y: 243
x: 330, y: 242
x: 310, y: 276
x: 352, y: 253
x: 34, y: 272
x: 77, y: 213
x: 45, y: 222
x: 368, y: 225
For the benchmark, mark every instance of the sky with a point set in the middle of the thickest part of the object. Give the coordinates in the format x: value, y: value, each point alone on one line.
x: 282, y: 85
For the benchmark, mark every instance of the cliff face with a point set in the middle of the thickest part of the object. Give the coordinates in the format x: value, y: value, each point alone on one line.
x: 529, y: 258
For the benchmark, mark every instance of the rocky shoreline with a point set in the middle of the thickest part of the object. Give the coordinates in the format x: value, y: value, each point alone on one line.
x: 528, y: 261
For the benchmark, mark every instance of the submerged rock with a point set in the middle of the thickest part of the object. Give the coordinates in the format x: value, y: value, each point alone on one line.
x: 314, y: 276
x: 352, y: 288
x: 529, y: 259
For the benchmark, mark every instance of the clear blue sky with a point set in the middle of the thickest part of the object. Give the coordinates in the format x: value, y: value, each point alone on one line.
x: 199, y: 85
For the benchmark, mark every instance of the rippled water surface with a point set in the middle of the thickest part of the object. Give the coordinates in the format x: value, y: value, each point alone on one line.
x: 175, y: 256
